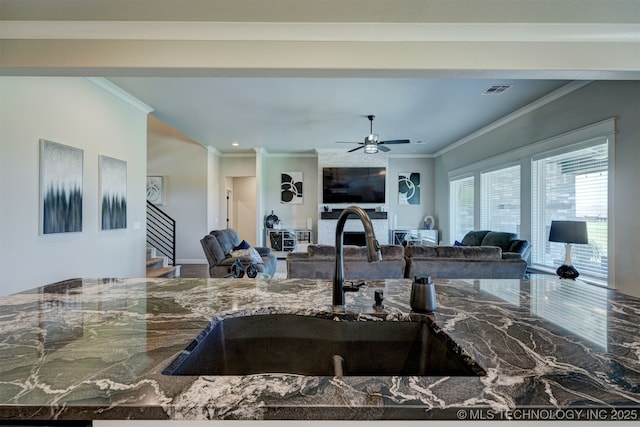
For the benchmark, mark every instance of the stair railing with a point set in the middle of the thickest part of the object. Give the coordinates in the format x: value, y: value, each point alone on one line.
x: 161, y: 232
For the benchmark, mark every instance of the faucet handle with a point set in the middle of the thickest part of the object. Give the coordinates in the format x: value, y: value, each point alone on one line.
x: 378, y: 296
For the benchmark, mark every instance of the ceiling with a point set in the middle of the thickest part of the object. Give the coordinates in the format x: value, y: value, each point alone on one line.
x: 298, y: 75
x: 284, y: 115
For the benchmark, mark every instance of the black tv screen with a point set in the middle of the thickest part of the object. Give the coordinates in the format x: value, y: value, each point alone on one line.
x: 353, y: 185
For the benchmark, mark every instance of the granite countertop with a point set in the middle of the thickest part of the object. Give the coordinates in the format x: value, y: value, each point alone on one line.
x: 96, y: 348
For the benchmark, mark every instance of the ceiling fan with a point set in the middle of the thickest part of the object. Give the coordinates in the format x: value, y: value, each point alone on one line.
x: 371, y: 144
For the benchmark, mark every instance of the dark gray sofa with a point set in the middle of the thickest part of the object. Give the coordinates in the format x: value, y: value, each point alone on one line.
x: 509, y: 243
x: 218, y: 246
x: 319, y: 263
x: 463, y: 262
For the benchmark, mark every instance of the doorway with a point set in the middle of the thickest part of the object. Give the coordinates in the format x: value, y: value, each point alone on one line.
x: 241, y: 207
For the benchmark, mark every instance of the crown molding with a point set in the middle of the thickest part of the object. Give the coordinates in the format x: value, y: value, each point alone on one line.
x: 321, y: 31
x: 539, y: 103
x: 125, y: 96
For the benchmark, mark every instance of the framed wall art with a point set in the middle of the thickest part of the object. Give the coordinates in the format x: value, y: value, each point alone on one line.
x: 113, y: 193
x: 155, y: 189
x: 61, y: 168
x: 291, y: 188
x: 408, y: 188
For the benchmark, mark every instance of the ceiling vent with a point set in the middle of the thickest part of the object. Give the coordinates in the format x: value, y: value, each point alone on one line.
x: 496, y: 89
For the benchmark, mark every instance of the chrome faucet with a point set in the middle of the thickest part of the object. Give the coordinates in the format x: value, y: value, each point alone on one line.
x: 373, y: 251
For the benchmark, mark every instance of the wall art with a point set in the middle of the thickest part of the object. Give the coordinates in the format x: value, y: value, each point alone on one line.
x: 155, y: 189
x: 408, y: 188
x: 60, y: 188
x: 291, y: 188
x: 113, y: 193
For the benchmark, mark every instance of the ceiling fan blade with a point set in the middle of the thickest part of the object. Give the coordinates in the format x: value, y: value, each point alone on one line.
x: 355, y: 149
x: 348, y: 142
x: 383, y: 148
x: 395, y: 141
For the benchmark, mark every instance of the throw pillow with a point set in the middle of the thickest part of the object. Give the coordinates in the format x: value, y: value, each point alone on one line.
x: 456, y: 243
x: 250, y: 254
x: 242, y: 245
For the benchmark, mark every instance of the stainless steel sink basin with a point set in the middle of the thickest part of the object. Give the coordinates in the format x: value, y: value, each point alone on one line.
x: 284, y: 343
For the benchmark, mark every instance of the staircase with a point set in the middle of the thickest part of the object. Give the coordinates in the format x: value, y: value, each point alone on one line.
x: 161, y: 243
x: 158, y: 266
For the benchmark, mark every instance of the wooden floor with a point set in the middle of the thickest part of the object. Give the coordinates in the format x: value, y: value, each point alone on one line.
x: 194, y: 270
x: 202, y: 270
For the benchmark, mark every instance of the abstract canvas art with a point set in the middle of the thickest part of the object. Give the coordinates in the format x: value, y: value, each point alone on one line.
x: 113, y: 193
x: 408, y: 188
x: 60, y: 188
x: 291, y: 187
x: 155, y: 189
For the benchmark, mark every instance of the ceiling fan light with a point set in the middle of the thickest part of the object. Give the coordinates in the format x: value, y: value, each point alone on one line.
x: 370, y: 147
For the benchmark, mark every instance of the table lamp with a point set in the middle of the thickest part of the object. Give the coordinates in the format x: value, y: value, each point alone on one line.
x: 568, y: 232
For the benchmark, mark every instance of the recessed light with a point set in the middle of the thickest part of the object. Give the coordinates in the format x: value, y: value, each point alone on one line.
x: 235, y: 144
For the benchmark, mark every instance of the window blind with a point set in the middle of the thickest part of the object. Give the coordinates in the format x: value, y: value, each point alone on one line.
x: 500, y: 200
x: 461, y: 194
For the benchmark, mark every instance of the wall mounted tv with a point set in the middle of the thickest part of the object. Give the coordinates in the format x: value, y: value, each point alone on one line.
x: 353, y: 185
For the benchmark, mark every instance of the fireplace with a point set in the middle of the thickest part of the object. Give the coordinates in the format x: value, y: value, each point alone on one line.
x: 354, y: 238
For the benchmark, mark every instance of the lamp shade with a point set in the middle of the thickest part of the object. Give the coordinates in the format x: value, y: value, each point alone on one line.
x: 569, y: 232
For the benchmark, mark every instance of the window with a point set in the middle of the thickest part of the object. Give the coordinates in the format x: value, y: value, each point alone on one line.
x: 572, y: 185
x: 461, y: 193
x: 564, y: 177
x: 500, y: 200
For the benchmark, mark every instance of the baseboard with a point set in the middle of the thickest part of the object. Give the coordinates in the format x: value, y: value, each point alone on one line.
x: 191, y: 261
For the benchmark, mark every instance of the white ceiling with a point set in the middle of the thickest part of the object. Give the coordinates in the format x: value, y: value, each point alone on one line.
x: 304, y: 114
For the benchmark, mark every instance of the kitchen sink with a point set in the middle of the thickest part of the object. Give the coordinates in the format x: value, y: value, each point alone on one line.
x: 305, y: 345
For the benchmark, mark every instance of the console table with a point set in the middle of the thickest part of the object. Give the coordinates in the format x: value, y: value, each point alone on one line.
x: 281, y: 240
x: 304, y: 235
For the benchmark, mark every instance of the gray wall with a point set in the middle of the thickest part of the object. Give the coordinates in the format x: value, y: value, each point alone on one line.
x: 411, y: 216
x: 593, y: 103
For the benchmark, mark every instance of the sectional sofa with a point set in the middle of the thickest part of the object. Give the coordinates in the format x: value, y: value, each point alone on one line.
x: 318, y: 262
x: 481, y: 255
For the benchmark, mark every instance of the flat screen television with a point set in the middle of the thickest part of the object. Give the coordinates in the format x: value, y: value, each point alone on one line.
x: 353, y: 185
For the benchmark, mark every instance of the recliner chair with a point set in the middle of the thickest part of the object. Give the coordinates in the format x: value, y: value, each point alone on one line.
x: 218, y: 246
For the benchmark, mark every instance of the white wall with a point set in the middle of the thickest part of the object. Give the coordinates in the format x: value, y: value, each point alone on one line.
x: 183, y: 164
x: 75, y: 112
x: 593, y: 103
x: 215, y: 186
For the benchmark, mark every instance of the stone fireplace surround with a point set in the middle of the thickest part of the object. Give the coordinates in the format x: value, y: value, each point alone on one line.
x: 327, y: 221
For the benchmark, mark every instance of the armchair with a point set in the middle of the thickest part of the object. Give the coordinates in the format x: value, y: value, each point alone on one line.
x: 218, y: 246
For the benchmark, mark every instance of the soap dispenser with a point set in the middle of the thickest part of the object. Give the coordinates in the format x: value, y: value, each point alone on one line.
x: 423, y: 294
